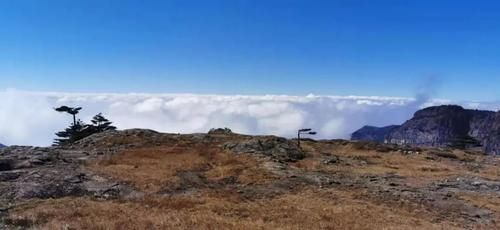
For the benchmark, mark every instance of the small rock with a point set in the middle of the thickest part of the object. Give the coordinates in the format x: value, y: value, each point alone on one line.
x: 332, y: 160
x: 477, y: 183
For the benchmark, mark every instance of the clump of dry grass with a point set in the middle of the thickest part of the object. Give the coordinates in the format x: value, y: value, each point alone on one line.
x: 444, y: 154
x: 489, y: 201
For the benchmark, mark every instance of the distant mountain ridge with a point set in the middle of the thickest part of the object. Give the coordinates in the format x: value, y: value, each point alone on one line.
x: 441, y: 126
x: 1, y: 145
x: 372, y: 133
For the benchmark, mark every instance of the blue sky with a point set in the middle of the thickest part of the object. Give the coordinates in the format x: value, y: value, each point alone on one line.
x: 384, y: 48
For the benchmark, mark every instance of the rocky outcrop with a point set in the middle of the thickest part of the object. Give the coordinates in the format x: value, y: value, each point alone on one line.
x: 372, y: 133
x: 277, y: 148
x: 223, y: 131
x: 443, y: 126
x: 34, y: 172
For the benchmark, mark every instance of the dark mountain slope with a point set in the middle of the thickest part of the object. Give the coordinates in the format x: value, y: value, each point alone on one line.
x: 372, y: 133
x: 447, y: 125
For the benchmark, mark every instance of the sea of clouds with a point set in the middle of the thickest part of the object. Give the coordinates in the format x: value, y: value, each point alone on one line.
x: 28, y: 118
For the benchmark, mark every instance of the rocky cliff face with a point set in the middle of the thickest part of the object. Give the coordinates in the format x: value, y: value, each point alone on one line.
x: 485, y: 127
x: 442, y: 126
x: 372, y: 133
x: 433, y: 126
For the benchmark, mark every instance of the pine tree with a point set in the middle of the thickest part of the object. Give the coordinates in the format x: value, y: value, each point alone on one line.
x: 101, y: 124
x: 70, y: 110
x: 70, y: 134
x: 78, y: 129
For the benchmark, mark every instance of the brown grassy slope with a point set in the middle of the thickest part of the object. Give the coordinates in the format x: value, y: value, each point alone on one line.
x: 309, y: 209
x: 151, y: 169
x: 425, y: 166
x: 210, y: 197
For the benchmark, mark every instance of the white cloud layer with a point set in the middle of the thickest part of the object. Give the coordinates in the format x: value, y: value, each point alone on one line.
x: 28, y: 118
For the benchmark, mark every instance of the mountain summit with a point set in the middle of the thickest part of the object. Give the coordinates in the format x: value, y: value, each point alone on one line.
x: 442, y: 126
x: 138, y: 179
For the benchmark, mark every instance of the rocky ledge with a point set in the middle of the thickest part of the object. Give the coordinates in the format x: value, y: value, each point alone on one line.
x: 33, y: 172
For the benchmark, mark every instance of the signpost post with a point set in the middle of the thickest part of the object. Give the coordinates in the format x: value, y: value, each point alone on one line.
x: 304, y: 131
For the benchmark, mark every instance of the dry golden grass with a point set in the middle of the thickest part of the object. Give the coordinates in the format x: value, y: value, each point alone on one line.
x: 153, y: 168
x: 310, y: 209
x: 417, y: 168
x: 485, y: 201
x: 489, y: 201
x: 150, y: 169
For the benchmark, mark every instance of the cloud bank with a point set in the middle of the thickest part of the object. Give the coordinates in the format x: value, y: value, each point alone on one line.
x: 28, y: 118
